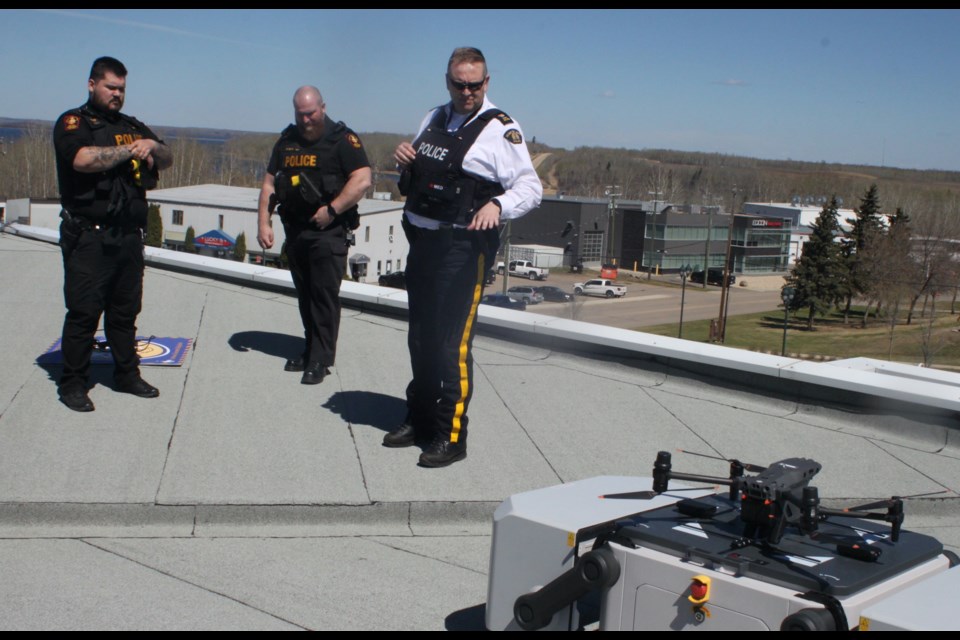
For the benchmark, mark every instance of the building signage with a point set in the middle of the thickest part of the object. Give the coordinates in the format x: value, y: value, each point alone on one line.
x: 215, y: 240
x: 770, y: 223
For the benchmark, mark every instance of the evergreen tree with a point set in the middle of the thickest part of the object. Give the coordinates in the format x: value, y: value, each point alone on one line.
x: 865, y: 228
x: 188, y: 245
x: 817, y: 275
x: 240, y: 248
x: 154, y: 227
x: 899, y: 218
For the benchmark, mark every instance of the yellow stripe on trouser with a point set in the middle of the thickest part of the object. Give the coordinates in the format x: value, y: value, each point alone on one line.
x: 464, y: 347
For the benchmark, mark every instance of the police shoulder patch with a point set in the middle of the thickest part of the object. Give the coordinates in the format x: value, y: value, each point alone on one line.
x: 513, y: 136
x: 504, y: 118
x: 354, y: 140
x: 71, y: 122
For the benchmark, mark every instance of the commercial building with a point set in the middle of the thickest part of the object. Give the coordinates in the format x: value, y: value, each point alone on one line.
x: 633, y: 234
x: 799, y: 216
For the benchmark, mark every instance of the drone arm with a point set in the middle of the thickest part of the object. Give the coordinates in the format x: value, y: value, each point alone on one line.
x: 696, y: 478
x: 894, y: 516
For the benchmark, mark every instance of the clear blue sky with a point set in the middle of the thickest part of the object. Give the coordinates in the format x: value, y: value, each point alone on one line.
x: 859, y: 86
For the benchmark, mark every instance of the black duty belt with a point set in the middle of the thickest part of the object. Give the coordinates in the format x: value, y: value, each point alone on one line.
x: 86, y: 224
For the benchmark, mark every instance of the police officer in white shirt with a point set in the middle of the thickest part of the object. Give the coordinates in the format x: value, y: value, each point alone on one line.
x: 467, y: 170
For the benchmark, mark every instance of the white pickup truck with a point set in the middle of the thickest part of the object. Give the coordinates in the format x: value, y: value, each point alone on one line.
x: 603, y: 288
x: 525, y: 269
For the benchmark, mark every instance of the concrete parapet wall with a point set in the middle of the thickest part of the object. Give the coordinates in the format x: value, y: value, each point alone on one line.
x: 862, y: 382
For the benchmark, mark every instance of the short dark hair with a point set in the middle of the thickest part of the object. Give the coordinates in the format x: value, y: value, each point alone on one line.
x: 101, y: 66
x: 467, y: 54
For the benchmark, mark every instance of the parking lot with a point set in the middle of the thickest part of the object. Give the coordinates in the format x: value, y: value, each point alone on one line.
x: 649, y: 302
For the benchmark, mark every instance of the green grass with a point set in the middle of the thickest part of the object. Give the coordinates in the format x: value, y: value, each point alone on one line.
x: 831, y: 338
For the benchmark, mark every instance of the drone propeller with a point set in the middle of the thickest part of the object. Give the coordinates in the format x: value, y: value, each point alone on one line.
x: 752, y: 468
x: 889, y: 502
x: 643, y: 495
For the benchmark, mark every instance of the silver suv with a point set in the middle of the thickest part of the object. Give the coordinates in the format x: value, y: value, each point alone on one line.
x: 527, y: 294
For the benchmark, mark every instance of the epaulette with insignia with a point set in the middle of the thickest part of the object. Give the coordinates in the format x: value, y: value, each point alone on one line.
x: 513, y: 136
x: 71, y: 122
x: 504, y: 118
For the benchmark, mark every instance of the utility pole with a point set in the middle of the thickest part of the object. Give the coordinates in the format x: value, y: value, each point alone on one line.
x: 706, y: 248
x: 612, y: 192
x: 724, y: 286
x: 653, y: 236
x: 726, y: 266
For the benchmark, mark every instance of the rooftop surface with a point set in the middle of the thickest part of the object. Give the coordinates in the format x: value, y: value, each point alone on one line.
x: 242, y: 499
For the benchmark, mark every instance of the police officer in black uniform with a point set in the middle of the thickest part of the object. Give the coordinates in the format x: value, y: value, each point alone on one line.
x: 467, y: 170
x: 318, y: 172
x: 106, y: 161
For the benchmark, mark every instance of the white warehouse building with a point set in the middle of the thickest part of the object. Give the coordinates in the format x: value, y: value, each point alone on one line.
x: 218, y: 214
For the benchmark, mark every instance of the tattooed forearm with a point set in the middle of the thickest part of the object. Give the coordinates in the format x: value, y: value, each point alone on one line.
x: 94, y: 159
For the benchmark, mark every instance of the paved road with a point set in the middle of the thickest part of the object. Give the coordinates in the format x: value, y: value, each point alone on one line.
x: 648, y: 303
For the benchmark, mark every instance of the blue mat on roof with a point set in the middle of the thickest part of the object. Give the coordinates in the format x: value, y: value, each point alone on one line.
x: 153, y: 351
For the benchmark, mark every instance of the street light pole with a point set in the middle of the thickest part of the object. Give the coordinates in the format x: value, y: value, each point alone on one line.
x: 786, y: 294
x: 684, y: 274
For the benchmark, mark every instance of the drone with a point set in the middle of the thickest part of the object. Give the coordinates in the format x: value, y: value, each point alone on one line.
x: 767, y: 555
x: 777, y: 496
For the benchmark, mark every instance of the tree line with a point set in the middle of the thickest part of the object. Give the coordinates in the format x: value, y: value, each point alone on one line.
x: 889, y: 262
x: 239, y: 159
x: 713, y: 179
x: 28, y: 167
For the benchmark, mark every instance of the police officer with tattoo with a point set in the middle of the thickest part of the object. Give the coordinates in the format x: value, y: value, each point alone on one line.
x: 317, y: 173
x: 106, y: 161
x: 467, y: 170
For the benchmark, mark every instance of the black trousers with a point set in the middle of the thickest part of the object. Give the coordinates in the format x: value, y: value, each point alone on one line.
x: 445, y: 277
x: 103, y: 275
x: 317, y: 264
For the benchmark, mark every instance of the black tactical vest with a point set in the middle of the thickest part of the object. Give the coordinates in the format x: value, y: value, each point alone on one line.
x: 439, y: 187
x: 118, y: 195
x: 308, y: 175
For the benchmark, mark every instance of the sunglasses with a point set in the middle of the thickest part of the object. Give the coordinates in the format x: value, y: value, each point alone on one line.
x: 469, y: 86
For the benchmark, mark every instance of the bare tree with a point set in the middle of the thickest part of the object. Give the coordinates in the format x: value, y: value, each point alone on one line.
x: 27, y: 166
x: 888, y: 268
x: 932, y: 244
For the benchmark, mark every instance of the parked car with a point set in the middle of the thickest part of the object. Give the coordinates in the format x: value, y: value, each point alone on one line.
x: 395, y: 279
x: 714, y: 276
x: 524, y: 269
x: 528, y: 294
x: 554, y: 294
x: 600, y: 287
x: 491, y: 277
x: 506, y: 302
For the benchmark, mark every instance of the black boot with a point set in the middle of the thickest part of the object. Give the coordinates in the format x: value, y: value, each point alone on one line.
x: 405, y: 435
x: 313, y: 374
x: 442, y: 452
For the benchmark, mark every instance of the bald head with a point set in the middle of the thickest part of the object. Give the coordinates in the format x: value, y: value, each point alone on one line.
x: 309, y: 112
x: 307, y: 92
